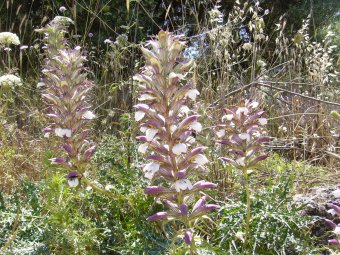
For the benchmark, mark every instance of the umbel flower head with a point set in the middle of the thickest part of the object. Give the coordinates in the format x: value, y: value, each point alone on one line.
x: 8, y: 38
x: 174, y: 160
x: 240, y: 132
x: 66, y: 94
x: 10, y: 80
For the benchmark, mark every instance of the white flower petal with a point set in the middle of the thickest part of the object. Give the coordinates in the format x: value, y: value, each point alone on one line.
x: 183, y: 184
x: 173, y: 129
x: 263, y: 121
x: 192, y: 93
x: 242, y: 110
x: 196, y: 126
x: 61, y: 132
x: 139, y: 115
x: 336, y: 193
x: 88, y: 115
x: 337, y: 231
x: 184, y: 110
x: 179, y: 149
x: 244, y: 136
x: 220, y: 133
x: 150, y: 134
x: 254, y: 105
x: 145, y: 97
x: 201, y: 159
x: 73, y: 182
x: 240, y: 161
x: 228, y: 117
x: 143, y: 147
x: 332, y: 212
x: 150, y: 169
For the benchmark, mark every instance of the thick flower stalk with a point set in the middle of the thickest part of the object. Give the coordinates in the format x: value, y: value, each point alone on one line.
x: 66, y: 94
x: 240, y: 131
x: 169, y: 131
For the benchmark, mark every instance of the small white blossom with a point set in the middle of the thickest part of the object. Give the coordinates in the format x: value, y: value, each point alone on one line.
x: 196, y: 126
x: 183, y: 184
x: 73, y: 182
x: 244, y: 136
x: 220, y: 133
x: 332, y: 212
x: 145, y: 97
x: 88, y: 115
x: 254, y: 105
x: 263, y: 121
x: 108, y: 41
x: 337, y: 230
x: 240, y: 235
x: 242, y: 110
x: 150, y: 169
x: 336, y: 193
x: 240, y: 161
x: 229, y: 117
x: 192, y: 93
x: 173, y: 128
x: 201, y: 159
x: 61, y: 132
x: 184, y: 110
x: 150, y: 134
x: 8, y: 38
x: 139, y: 115
x: 142, y: 148
x: 180, y: 148
x: 247, y: 46
x: 10, y: 80
x: 61, y: 20
x: 62, y: 9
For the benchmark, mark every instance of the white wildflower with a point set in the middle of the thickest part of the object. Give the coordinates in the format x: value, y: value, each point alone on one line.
x: 247, y: 46
x: 180, y: 148
x: 73, y: 182
x: 139, y: 115
x: 240, y: 161
x: 229, y: 117
x: 88, y: 115
x: 150, y: 169
x: 183, y: 184
x: 62, y: 9
x: 201, y: 159
x: 336, y: 193
x: 8, y: 38
x: 242, y: 110
x: 196, y: 126
x: 10, y: 80
x: 337, y: 230
x: 150, y: 134
x: 192, y: 93
x: 220, y: 133
x: 143, y: 147
x: 263, y: 121
x: 61, y: 132
x: 62, y: 20
x: 244, y: 136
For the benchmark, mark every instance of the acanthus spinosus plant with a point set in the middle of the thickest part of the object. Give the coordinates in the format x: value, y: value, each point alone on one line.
x: 335, y: 212
x: 168, y: 142
x: 240, y: 132
x: 66, y: 94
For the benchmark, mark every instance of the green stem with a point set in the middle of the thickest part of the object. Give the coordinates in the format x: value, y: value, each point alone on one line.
x: 103, y: 191
x: 246, y: 184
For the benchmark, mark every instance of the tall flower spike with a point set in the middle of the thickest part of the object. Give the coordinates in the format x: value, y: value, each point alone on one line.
x: 240, y: 132
x: 66, y: 94
x: 167, y: 141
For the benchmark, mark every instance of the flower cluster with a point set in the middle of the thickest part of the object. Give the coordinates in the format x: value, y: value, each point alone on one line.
x: 334, y: 211
x: 8, y: 38
x: 240, y: 131
x: 169, y: 133
x: 66, y: 94
x: 10, y: 80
